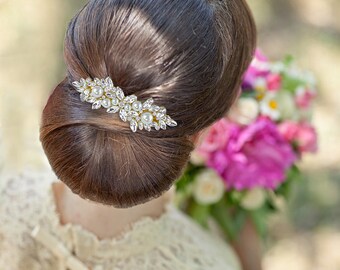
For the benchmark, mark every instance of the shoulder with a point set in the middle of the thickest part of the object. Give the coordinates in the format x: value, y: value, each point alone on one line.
x: 174, y: 241
x: 22, y: 199
x: 203, y: 249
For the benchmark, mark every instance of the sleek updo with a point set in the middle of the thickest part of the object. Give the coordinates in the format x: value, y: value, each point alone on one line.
x: 189, y: 56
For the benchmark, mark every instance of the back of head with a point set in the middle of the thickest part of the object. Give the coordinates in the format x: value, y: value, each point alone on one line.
x: 189, y: 56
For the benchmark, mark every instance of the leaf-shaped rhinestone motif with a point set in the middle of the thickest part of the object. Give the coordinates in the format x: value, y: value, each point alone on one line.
x: 102, y: 93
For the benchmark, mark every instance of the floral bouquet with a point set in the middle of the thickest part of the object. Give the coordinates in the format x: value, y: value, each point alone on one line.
x: 245, y: 164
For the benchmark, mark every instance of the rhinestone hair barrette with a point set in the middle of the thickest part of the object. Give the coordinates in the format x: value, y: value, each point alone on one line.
x: 140, y: 115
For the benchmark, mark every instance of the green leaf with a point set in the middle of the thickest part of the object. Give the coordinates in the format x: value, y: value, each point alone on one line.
x: 183, y: 182
x: 229, y: 223
x: 285, y: 188
x: 290, y: 84
x: 200, y: 213
x: 249, y: 93
x: 259, y: 218
x: 270, y: 206
x: 288, y: 60
x: 239, y: 219
x: 188, y: 177
x: 234, y: 197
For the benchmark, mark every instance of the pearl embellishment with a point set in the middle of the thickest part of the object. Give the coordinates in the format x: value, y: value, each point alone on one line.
x: 97, y: 91
x: 137, y: 106
x: 147, y: 118
x: 140, y: 115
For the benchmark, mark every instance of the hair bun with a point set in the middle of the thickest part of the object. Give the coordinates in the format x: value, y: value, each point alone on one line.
x: 188, y: 56
x: 104, y: 162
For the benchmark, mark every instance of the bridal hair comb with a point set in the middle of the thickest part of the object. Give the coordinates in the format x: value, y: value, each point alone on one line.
x: 103, y: 93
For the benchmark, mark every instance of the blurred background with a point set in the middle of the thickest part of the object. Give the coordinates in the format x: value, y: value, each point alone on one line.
x: 306, y: 234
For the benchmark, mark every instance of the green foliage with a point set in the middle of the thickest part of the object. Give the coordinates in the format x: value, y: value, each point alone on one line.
x: 188, y: 177
x: 230, y: 218
x: 288, y: 60
x: 228, y: 213
x: 285, y: 188
x: 199, y: 212
x: 259, y: 218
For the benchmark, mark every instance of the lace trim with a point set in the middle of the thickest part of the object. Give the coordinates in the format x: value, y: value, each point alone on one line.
x: 169, y: 210
x: 86, y: 243
x: 171, y: 241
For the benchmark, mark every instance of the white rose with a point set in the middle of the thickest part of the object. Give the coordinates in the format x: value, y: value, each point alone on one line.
x: 196, y: 158
x: 245, y: 111
x: 208, y: 187
x: 253, y: 199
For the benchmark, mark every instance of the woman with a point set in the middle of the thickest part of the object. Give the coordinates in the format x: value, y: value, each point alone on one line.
x: 177, y: 61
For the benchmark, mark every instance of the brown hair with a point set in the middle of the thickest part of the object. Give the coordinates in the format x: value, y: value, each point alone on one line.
x: 187, y: 55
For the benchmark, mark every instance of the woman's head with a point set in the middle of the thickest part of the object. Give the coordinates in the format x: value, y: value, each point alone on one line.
x: 189, y: 56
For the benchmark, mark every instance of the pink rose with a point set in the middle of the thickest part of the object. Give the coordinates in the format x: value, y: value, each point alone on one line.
x: 274, y: 81
x: 216, y: 138
x: 304, y: 97
x: 253, y: 156
x: 301, y: 134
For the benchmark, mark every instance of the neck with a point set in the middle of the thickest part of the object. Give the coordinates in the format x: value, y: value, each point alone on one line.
x: 102, y: 220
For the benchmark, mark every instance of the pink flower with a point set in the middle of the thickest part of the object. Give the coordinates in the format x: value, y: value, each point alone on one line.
x: 259, y: 56
x: 304, y: 97
x: 259, y: 67
x: 301, y: 134
x: 215, y: 139
x: 253, y: 156
x: 274, y: 81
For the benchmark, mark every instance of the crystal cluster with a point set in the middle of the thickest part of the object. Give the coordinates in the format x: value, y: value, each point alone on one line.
x: 140, y: 115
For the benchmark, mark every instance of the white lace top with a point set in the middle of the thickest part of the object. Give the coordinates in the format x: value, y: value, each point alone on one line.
x: 32, y: 238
